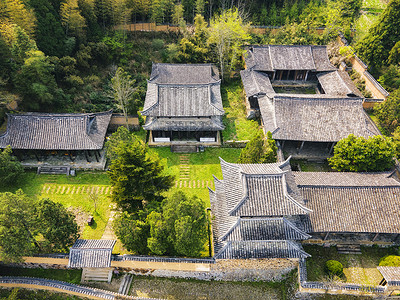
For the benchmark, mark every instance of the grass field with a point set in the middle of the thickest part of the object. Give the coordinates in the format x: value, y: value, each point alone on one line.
x: 359, y: 269
x: 237, y: 127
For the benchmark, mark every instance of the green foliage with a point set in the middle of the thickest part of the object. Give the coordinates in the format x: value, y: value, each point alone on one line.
x: 390, y: 79
x: 56, y: 225
x: 390, y: 261
x: 376, y: 46
x: 10, y: 168
x: 388, y: 112
x: 297, y: 34
x: 136, y: 175
x: 228, y: 34
x: 36, y: 82
x: 181, y: 228
x: 358, y: 154
x: 333, y: 267
x: 23, y: 221
x: 132, y: 232
x: 259, y: 150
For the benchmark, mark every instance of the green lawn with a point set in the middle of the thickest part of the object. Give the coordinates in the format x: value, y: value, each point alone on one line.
x: 359, y: 269
x: 237, y: 127
x: 310, y: 166
x: 72, y: 276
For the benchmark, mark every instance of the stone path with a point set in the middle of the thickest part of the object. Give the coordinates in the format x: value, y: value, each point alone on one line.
x: 108, y: 233
x: 70, y: 189
x: 194, y: 184
x: 184, y: 167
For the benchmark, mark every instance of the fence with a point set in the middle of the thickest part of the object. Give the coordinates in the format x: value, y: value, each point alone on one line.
x: 377, y: 91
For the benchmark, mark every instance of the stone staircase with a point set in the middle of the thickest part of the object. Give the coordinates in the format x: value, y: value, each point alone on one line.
x: 348, y: 249
x: 184, y: 149
x: 184, y: 167
x: 125, y: 284
x: 96, y: 274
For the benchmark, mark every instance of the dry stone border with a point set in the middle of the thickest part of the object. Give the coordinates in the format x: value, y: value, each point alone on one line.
x: 193, y: 184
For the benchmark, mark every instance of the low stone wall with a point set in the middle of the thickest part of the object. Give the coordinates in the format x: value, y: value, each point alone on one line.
x: 231, y: 270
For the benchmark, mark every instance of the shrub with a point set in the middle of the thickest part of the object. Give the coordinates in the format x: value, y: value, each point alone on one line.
x: 390, y: 261
x: 333, y: 267
x: 157, y: 44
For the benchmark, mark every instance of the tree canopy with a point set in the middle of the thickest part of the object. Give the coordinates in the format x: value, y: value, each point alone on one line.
x: 388, y: 112
x: 28, y: 226
x: 358, y: 154
x: 136, y: 175
x: 10, y: 167
x: 259, y: 150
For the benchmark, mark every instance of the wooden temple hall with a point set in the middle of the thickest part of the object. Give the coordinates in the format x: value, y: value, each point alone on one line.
x: 268, y: 211
x: 40, y: 139
x: 183, y: 105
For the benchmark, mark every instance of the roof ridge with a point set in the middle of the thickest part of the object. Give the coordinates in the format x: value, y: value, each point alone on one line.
x: 291, y: 199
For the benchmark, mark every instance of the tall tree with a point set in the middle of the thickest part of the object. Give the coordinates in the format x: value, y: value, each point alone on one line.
x: 388, y: 112
x: 16, y: 12
x: 181, y: 228
x: 358, y: 154
x: 382, y: 37
x: 137, y: 176
x: 259, y: 150
x: 56, y: 225
x: 50, y: 36
x: 122, y: 90
x: 228, y: 35
x: 10, y: 168
x: 73, y: 21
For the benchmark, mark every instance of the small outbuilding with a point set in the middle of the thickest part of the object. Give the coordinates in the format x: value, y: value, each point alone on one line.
x: 391, y: 277
x: 183, y: 105
x: 94, y: 257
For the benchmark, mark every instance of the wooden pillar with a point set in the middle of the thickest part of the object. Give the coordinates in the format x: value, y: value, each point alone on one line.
x: 36, y: 155
x: 375, y: 237
x: 70, y: 155
x: 95, y: 155
x: 288, y: 74
x: 326, y: 236
x: 273, y: 76
x: 282, y: 144
x: 301, y: 146
x: 333, y: 145
x: 86, y: 155
x: 305, y: 79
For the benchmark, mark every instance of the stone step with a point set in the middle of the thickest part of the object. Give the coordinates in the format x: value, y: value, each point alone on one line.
x: 348, y: 249
x: 183, y: 149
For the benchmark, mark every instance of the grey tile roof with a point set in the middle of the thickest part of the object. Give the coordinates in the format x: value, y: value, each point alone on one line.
x: 56, y: 131
x: 351, y: 202
x: 391, y: 275
x: 285, y: 57
x: 313, y: 118
x: 338, y: 83
x: 187, y: 124
x: 261, y: 249
x: 183, y: 74
x: 262, y: 228
x: 91, y: 254
x: 345, y: 179
x: 256, y: 83
x: 183, y: 100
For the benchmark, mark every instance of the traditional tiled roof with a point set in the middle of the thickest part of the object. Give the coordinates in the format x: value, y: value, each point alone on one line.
x: 391, y: 275
x: 262, y: 228
x: 183, y: 74
x: 256, y: 83
x: 187, y: 124
x: 338, y: 83
x: 284, y: 57
x: 259, y: 190
x: 46, y: 131
x: 351, y: 202
x: 183, y: 100
x: 91, y: 254
x: 243, y: 203
x: 261, y: 249
x: 314, y: 118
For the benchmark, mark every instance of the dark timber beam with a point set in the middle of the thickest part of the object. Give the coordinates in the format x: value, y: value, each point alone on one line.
x: 301, y: 146
x: 375, y: 237
x: 326, y: 236
x: 333, y: 145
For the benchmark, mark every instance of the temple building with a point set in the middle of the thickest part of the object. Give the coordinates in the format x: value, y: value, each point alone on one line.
x: 302, y: 99
x: 183, y: 105
x: 38, y: 139
x: 257, y: 211
x: 268, y: 211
